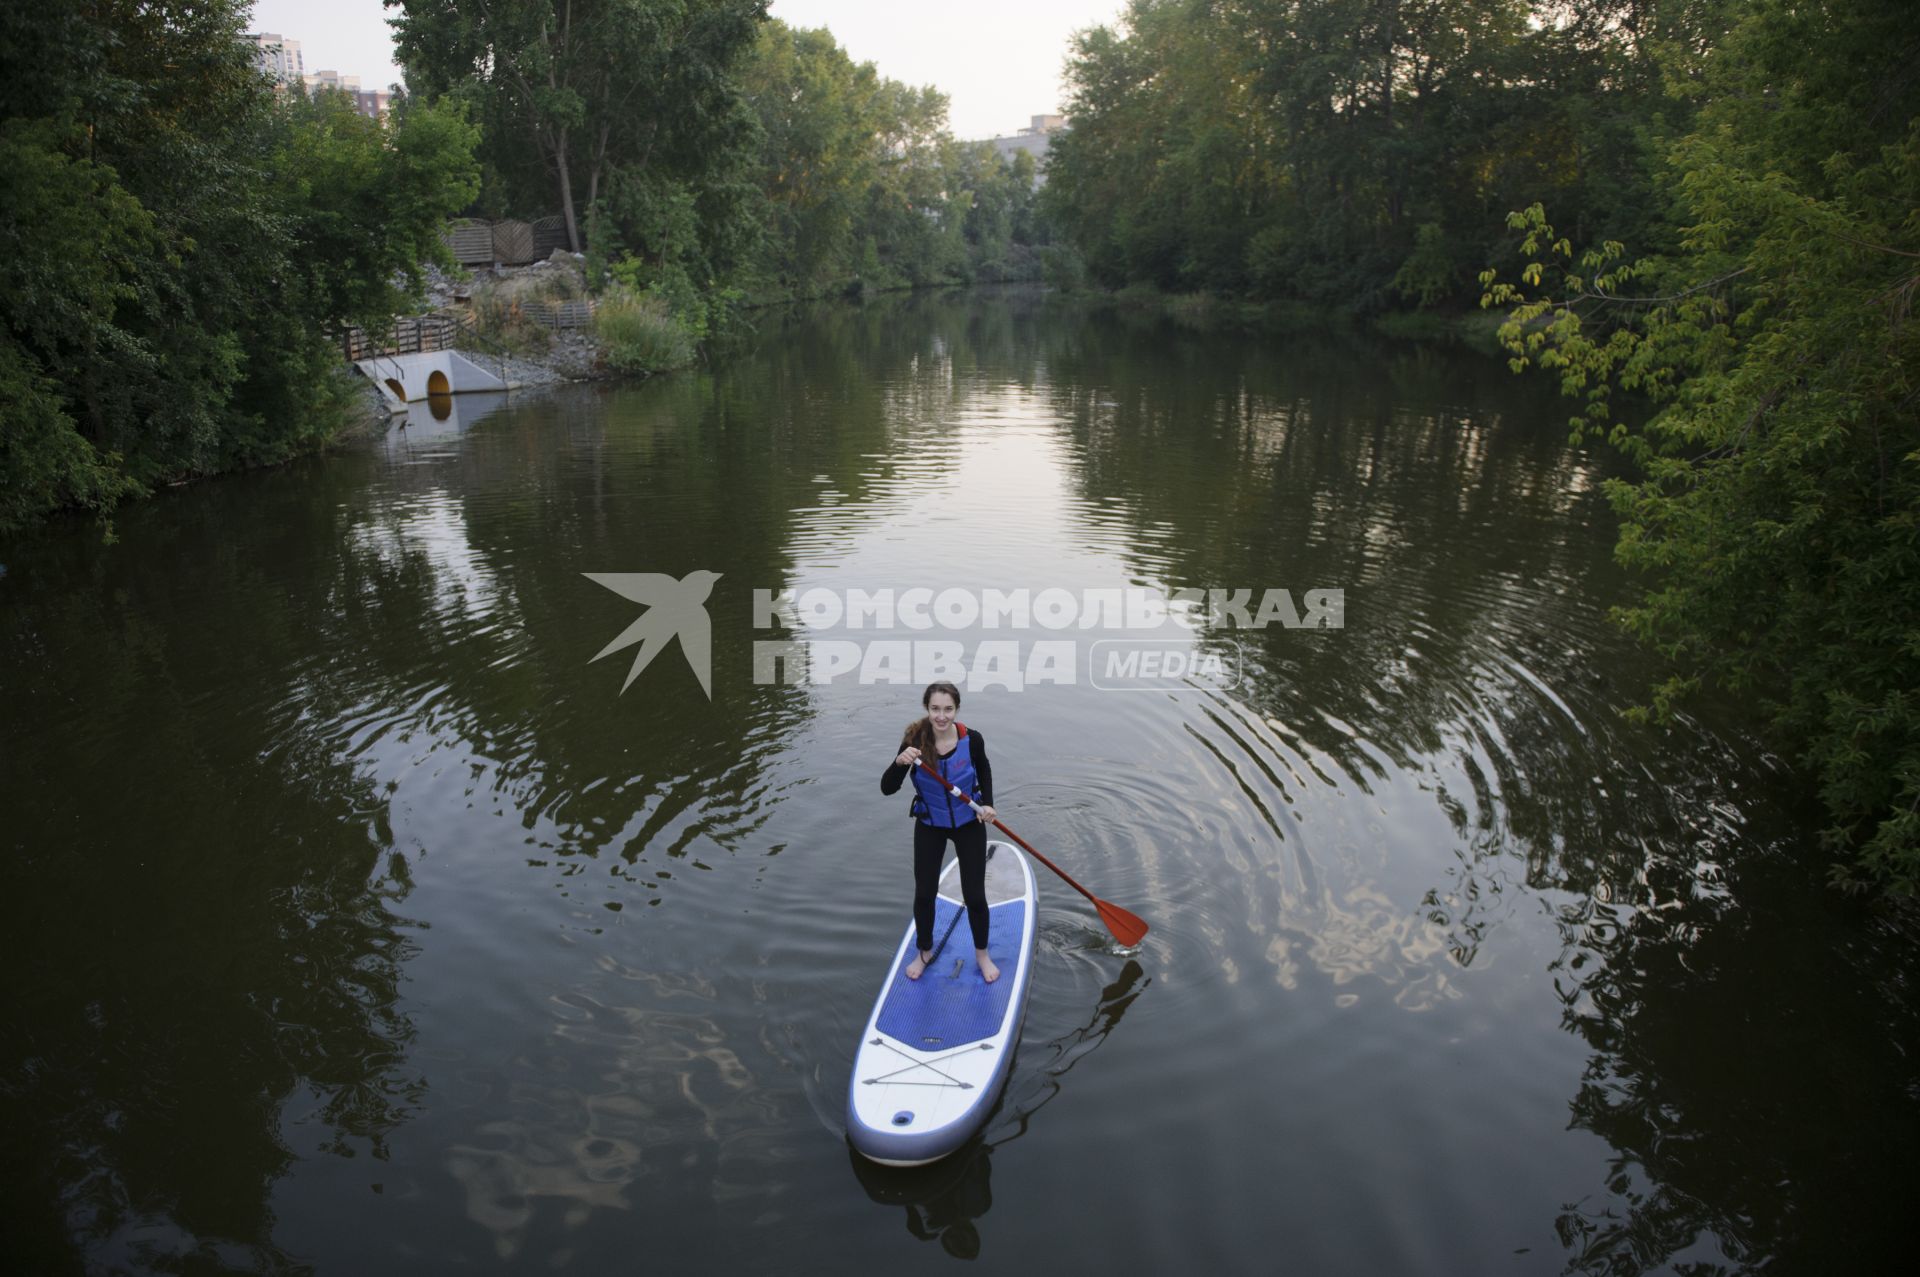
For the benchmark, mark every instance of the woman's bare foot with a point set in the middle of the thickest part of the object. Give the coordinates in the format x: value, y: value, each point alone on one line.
x: 919, y: 965
x: 988, y: 971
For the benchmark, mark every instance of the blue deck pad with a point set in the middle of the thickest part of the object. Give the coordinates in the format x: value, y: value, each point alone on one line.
x: 945, y: 1008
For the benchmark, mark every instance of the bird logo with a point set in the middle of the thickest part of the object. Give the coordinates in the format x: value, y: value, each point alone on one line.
x: 676, y: 608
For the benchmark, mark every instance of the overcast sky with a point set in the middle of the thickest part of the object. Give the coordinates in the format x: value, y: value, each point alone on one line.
x: 997, y: 60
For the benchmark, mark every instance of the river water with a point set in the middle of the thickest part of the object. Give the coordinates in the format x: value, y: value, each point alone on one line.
x: 358, y: 922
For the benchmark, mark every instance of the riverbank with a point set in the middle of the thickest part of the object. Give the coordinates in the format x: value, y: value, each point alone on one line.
x: 1213, y: 311
x: 500, y: 313
x: 505, y: 335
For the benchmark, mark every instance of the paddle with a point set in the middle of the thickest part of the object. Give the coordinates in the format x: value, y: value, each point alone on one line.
x: 1126, y: 928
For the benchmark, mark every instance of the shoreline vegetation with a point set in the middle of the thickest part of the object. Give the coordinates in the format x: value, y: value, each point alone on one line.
x: 1707, y: 207
x: 635, y: 337
x: 182, y: 236
x: 1204, y: 310
x: 1702, y: 206
x: 634, y: 333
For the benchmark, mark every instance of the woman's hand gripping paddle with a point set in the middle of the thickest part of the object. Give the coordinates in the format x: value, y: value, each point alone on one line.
x: 1127, y: 929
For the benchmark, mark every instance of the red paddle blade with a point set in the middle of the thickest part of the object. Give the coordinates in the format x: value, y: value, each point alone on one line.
x: 1126, y: 928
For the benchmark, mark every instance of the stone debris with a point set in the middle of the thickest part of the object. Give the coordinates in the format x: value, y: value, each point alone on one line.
x: 574, y: 355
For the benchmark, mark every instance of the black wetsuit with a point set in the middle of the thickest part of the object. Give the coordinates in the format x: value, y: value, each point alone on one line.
x: 930, y: 848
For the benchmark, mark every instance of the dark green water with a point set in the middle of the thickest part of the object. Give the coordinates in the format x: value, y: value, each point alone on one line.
x: 357, y: 923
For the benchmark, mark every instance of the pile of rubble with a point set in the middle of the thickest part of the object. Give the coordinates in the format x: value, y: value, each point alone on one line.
x: 573, y: 353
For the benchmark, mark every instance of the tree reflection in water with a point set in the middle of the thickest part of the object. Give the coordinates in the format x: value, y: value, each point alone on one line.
x: 1746, y: 1134
x: 1746, y: 1130
x: 232, y: 965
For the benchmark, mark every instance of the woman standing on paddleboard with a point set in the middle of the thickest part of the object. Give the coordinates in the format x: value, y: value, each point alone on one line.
x: 960, y: 756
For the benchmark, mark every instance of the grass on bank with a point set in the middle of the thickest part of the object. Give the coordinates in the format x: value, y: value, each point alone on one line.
x: 639, y: 334
x: 503, y: 311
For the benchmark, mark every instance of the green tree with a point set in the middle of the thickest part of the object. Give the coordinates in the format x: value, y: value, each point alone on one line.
x: 1001, y: 205
x: 818, y: 151
x: 859, y: 180
x: 364, y: 203
x: 1779, y: 513
x: 911, y: 215
x: 70, y: 239
x: 594, y: 92
x: 168, y: 264
x: 1360, y: 153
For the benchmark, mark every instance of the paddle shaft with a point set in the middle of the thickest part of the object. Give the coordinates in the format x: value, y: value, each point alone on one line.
x: 1024, y: 844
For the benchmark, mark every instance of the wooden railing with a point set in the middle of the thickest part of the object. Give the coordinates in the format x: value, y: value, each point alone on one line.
x: 407, y: 335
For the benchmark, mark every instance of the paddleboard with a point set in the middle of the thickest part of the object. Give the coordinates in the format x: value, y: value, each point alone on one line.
x: 936, y: 1051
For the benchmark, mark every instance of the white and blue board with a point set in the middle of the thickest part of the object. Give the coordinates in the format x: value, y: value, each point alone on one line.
x: 937, y: 1051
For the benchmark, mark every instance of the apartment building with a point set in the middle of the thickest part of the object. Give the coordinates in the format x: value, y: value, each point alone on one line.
x: 1034, y: 140
x: 278, y: 56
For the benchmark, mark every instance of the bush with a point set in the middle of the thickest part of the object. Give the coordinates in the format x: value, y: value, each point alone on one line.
x: 501, y: 323
x: 640, y: 334
x: 1063, y: 268
x: 1430, y: 273
x: 1777, y: 506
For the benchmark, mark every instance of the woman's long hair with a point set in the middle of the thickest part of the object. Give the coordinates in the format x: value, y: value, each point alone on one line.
x: 920, y: 730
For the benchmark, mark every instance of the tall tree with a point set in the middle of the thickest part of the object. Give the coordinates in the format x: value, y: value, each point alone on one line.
x: 1355, y: 152
x: 861, y: 181
x: 1781, y: 498
x: 590, y: 87
x: 167, y: 264
x: 818, y: 149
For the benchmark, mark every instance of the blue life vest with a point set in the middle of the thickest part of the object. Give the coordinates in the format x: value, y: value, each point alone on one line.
x: 934, y: 805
